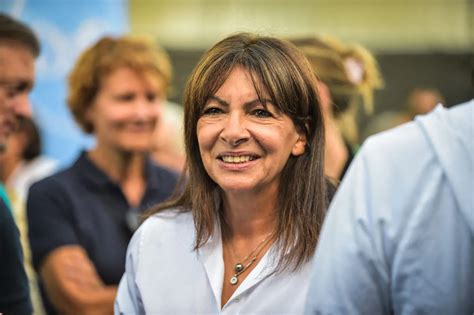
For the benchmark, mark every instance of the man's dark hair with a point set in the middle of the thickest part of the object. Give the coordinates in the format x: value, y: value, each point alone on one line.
x: 11, y: 29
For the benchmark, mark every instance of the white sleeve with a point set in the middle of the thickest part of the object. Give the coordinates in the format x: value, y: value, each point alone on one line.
x: 350, y: 273
x: 128, y: 300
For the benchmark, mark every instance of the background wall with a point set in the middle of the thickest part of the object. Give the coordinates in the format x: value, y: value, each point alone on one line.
x: 417, y: 42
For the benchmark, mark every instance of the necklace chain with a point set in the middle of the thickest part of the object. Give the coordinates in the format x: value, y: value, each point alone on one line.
x: 239, y: 267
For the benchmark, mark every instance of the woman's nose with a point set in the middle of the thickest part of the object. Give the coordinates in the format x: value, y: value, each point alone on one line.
x: 235, y: 130
x: 144, y: 108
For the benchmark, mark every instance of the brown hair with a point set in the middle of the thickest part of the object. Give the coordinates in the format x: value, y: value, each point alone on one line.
x: 13, y: 30
x: 105, y: 56
x: 280, y: 70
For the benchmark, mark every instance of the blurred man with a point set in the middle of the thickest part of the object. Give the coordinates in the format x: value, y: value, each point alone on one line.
x: 399, y: 235
x: 18, y: 49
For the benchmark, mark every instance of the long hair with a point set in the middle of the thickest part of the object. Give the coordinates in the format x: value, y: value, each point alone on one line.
x: 278, y: 70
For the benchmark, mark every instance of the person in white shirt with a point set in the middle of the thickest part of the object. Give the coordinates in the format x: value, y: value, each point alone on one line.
x: 241, y: 235
x: 399, y: 235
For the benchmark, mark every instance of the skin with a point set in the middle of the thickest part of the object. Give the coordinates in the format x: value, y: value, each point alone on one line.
x: 235, y: 123
x: 17, y: 71
x: 13, y: 154
x: 126, y: 111
x: 335, y: 151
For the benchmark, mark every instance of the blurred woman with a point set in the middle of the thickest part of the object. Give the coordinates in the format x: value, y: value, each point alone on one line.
x: 81, y: 219
x: 240, y: 237
x: 347, y: 75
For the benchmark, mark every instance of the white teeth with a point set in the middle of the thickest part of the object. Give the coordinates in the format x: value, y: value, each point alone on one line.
x: 237, y: 159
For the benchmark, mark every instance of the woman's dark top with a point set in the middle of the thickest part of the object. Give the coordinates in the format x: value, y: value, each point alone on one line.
x: 83, y: 206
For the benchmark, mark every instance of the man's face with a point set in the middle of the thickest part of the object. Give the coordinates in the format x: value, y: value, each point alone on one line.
x: 17, y: 72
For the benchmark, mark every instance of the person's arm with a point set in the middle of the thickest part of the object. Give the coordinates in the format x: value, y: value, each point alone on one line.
x: 73, y: 285
x: 66, y: 272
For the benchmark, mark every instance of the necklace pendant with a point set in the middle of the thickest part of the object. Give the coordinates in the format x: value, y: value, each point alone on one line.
x: 238, y: 267
x: 234, y: 280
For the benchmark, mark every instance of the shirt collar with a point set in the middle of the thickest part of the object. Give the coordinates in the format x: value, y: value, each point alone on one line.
x: 211, y: 256
x: 95, y: 176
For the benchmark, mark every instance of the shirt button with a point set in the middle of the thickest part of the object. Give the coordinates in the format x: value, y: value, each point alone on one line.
x: 237, y: 299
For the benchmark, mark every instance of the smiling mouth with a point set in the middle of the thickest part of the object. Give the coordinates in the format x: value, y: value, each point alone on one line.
x: 232, y: 159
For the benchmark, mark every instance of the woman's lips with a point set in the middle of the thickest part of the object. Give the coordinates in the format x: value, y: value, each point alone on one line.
x: 237, y: 160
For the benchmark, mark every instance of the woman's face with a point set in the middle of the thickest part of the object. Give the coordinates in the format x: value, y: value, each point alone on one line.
x: 126, y: 110
x: 244, y: 146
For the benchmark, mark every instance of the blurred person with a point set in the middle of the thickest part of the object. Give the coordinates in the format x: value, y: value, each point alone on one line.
x: 240, y: 237
x: 346, y: 74
x: 168, y: 148
x: 19, y: 48
x: 21, y: 164
x: 422, y: 100
x: 81, y: 219
x: 399, y: 235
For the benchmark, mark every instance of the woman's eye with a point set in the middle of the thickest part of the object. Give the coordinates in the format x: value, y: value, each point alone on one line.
x: 151, y: 97
x: 125, y: 97
x: 212, y: 111
x: 263, y: 113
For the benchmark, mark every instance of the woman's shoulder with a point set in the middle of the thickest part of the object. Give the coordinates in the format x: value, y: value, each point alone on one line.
x: 171, y: 216
x: 170, y: 231
x: 62, y: 178
x: 169, y: 223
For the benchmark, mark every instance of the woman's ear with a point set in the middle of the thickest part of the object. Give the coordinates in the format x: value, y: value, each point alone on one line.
x: 300, y: 145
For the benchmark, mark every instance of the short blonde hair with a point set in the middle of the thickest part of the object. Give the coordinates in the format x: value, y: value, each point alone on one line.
x: 106, y: 56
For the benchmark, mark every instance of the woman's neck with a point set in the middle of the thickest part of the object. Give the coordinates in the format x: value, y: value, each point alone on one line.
x: 250, y: 215
x: 125, y: 168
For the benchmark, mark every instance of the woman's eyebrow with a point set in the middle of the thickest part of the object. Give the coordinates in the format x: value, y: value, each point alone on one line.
x: 219, y: 100
x: 246, y: 104
x: 257, y: 101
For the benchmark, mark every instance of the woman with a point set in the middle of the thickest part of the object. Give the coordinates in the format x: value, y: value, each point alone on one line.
x: 241, y: 236
x: 81, y: 219
x: 346, y: 73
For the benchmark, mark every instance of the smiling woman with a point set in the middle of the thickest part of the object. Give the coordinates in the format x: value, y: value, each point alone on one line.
x: 81, y: 219
x: 245, y: 144
x: 256, y: 195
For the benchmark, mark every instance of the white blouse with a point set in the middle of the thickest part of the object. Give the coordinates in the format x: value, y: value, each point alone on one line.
x: 164, y: 275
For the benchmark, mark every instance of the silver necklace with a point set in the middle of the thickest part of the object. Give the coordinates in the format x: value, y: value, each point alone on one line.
x: 240, y: 266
